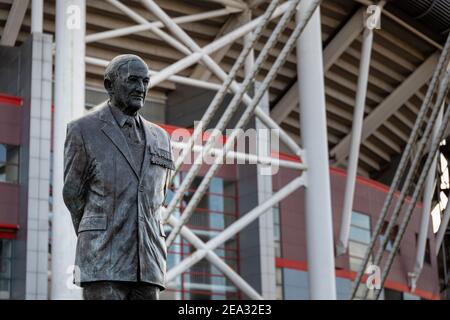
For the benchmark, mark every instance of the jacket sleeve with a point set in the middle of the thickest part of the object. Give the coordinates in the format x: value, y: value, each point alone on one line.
x: 75, y: 174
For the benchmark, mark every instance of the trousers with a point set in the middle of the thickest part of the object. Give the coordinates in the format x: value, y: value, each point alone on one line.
x: 117, y: 290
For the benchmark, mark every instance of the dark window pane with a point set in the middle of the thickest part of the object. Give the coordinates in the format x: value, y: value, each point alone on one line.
x: 392, y: 295
x: 12, y: 155
x: 5, y: 268
x: 5, y: 248
x: 4, y: 289
x: 2, y: 153
x: 9, y: 161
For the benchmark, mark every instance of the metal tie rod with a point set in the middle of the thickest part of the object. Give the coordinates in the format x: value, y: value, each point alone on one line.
x: 412, y: 169
x: 158, y: 24
x: 418, y: 189
x: 246, y: 115
x: 403, y: 162
x: 241, y: 156
x: 203, y: 54
x: 358, y: 118
x: 230, y: 110
x: 220, y: 95
x: 160, y: 33
x: 234, y: 228
x: 215, y: 260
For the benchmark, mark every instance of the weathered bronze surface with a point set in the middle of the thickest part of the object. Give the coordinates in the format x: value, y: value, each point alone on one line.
x: 117, y: 168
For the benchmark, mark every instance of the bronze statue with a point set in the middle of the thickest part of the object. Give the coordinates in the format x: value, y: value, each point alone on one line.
x: 116, y: 173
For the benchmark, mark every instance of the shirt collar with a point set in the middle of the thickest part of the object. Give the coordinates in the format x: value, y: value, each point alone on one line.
x: 121, y: 117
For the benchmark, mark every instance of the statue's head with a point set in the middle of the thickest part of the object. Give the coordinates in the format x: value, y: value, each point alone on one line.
x: 126, y: 81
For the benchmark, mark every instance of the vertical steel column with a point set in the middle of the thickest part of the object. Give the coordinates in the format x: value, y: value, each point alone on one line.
x: 426, y: 212
x: 264, y: 190
x: 358, y: 118
x: 319, y: 227
x: 37, y: 16
x: 69, y: 104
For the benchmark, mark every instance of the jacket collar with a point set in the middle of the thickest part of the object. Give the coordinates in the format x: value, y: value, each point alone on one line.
x: 121, y: 117
x: 112, y: 130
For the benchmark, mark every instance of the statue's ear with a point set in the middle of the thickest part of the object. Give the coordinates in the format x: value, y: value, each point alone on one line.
x: 108, y: 86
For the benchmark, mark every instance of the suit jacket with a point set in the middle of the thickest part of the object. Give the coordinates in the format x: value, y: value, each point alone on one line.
x: 102, y: 189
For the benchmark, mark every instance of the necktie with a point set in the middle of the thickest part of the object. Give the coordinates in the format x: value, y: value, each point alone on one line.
x: 133, y: 132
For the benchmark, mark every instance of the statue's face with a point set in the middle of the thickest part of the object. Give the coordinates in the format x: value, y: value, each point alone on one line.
x: 130, y: 86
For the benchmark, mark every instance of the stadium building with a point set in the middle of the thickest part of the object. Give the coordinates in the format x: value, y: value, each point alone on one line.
x: 353, y: 176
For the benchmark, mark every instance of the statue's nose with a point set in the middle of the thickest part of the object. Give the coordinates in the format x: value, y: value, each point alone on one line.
x: 140, y: 87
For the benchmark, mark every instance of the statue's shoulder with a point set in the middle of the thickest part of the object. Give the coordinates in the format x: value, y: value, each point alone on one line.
x: 161, y: 134
x: 89, y: 119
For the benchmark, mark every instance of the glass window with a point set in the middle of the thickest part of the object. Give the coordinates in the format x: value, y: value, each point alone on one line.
x: 9, y: 163
x: 360, y: 235
x: 360, y: 220
x: 277, y: 230
x: 5, y: 268
x: 358, y: 240
x: 216, y: 210
x: 357, y: 249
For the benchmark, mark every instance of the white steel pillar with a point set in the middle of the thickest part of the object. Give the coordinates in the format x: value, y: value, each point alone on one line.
x: 37, y: 16
x: 319, y: 228
x: 69, y: 104
x: 264, y: 190
x: 426, y: 211
x: 265, y: 221
x: 358, y: 119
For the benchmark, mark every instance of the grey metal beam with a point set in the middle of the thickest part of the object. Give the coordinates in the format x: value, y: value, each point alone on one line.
x: 15, y: 18
x: 390, y: 105
x: 235, y: 21
x: 349, y: 32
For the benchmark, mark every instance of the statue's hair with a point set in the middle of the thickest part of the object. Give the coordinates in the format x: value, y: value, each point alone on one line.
x: 112, y: 70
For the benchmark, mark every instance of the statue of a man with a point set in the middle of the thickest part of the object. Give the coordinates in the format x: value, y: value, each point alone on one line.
x: 116, y: 173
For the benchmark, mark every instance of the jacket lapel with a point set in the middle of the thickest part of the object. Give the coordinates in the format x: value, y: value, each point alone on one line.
x: 112, y: 131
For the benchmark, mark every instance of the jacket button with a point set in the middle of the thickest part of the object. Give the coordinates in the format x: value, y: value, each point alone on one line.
x: 141, y: 188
